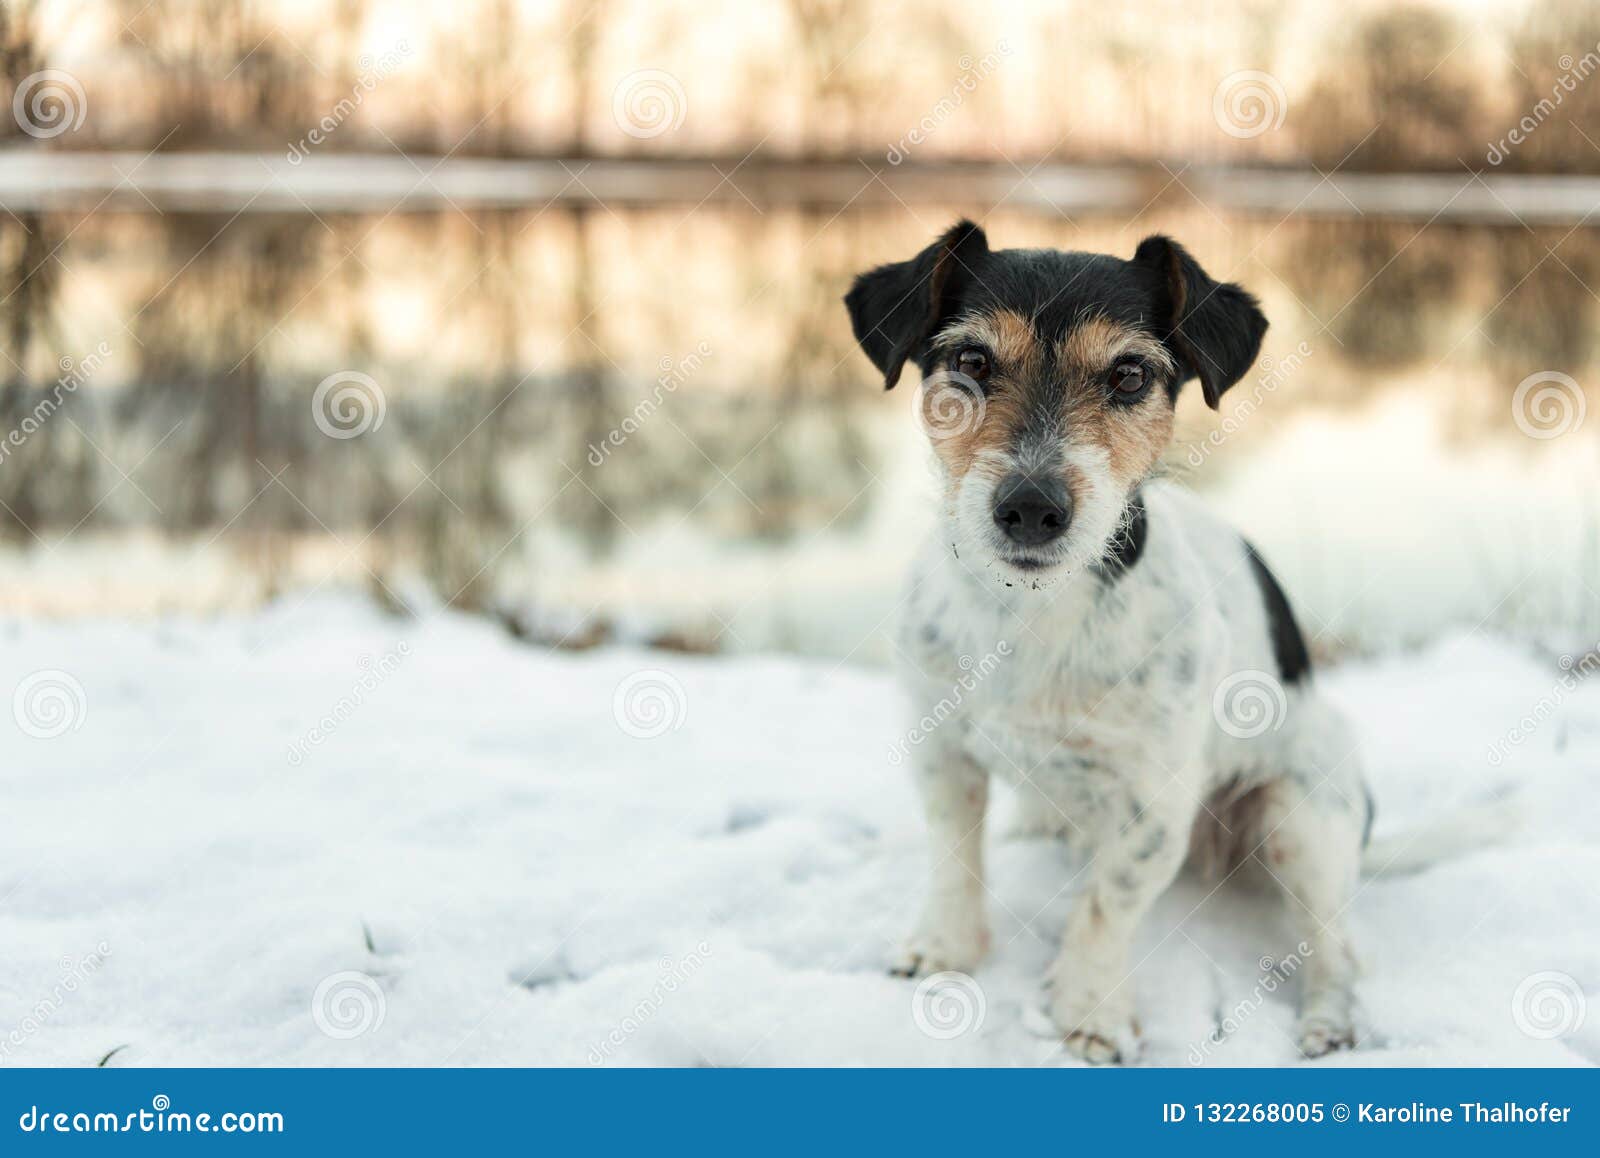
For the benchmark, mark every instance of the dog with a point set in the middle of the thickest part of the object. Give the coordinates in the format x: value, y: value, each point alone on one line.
x: 1153, y: 696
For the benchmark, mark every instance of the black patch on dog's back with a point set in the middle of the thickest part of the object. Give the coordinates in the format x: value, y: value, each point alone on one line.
x: 1288, y: 645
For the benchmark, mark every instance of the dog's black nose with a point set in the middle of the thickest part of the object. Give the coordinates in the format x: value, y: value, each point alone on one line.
x: 1032, y: 511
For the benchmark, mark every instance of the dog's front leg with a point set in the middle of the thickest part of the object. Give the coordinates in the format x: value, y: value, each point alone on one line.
x: 953, y: 932
x: 1092, y: 992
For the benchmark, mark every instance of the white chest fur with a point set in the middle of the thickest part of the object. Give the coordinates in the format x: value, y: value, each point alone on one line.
x: 1089, y: 686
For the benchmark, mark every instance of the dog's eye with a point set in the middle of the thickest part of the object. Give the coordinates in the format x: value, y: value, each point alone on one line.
x: 972, y: 362
x: 1128, y: 377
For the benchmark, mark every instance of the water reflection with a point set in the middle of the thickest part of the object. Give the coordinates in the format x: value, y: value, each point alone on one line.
x: 654, y: 424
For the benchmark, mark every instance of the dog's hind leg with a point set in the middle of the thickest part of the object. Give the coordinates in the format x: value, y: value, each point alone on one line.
x: 1308, y: 834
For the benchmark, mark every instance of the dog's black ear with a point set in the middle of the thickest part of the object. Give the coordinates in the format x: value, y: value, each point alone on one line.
x: 895, y: 308
x: 1215, y: 327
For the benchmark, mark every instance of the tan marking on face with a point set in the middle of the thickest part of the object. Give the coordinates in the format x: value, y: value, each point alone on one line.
x: 1017, y: 356
x: 1132, y: 437
x: 1094, y: 345
x: 964, y: 430
x: 978, y: 433
x: 1004, y: 333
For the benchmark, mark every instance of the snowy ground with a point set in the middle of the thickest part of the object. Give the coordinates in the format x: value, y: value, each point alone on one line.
x: 478, y: 865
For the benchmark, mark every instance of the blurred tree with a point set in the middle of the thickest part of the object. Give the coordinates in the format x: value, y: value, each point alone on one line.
x: 48, y: 472
x: 49, y: 476
x: 483, y: 61
x: 847, y: 85
x: 828, y: 32
x: 1545, y: 314
x: 21, y: 54
x: 1554, y: 86
x: 1401, y: 93
x: 1393, y: 296
x: 225, y: 71
x: 203, y: 362
x: 463, y: 516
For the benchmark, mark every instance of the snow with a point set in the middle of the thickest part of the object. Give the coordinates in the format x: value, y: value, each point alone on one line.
x: 478, y: 851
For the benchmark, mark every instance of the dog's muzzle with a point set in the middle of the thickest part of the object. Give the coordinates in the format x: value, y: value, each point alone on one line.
x: 1032, y: 512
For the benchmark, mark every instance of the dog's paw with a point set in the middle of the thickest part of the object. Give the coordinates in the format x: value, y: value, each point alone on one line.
x: 954, y: 942
x: 1092, y: 1048
x: 1319, y: 1036
x: 1100, y: 1031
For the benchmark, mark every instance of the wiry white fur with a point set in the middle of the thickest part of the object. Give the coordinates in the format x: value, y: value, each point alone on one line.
x: 1102, y: 717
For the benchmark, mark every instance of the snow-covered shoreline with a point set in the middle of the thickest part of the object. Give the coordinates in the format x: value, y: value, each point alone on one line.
x: 319, y: 836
